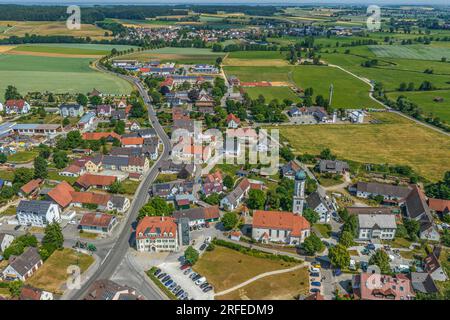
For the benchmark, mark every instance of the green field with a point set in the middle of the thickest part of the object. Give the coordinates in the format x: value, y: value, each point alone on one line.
x: 395, y: 141
x: 425, y: 100
x: 349, y: 92
x: 71, y: 48
x: 419, y: 52
x: 271, y: 93
x: 257, y: 55
x: 178, y: 55
x: 56, y: 74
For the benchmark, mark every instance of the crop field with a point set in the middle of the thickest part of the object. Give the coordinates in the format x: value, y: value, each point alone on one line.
x: 257, y: 55
x: 419, y: 52
x: 349, y: 92
x: 179, y: 55
x: 20, y: 28
x: 56, y: 74
x: 271, y: 93
x: 425, y: 100
x: 395, y: 141
x: 69, y: 49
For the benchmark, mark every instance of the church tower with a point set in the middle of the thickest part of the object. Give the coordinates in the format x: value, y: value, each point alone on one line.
x: 298, y: 200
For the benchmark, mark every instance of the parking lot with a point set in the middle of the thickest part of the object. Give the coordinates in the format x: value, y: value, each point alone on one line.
x: 315, y: 279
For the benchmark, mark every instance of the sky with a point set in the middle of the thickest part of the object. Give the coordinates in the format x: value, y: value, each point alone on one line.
x: 290, y: 2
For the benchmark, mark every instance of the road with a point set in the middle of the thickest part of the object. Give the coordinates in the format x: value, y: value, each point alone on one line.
x: 124, y: 240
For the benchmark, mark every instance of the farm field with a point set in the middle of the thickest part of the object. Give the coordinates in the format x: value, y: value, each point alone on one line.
x: 271, y: 93
x: 395, y: 141
x: 56, y: 74
x: 53, y: 274
x: 70, y: 49
x: 21, y: 28
x: 286, y: 286
x: 225, y: 268
x: 419, y: 52
x: 179, y: 55
x: 256, y: 55
x: 425, y: 100
x: 349, y: 92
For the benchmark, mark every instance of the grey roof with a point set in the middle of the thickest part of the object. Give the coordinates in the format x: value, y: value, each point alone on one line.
x: 70, y: 106
x: 152, y: 141
x: 382, y: 221
x: 383, y: 189
x: 131, y: 135
x: 373, y: 210
x: 422, y: 282
x: 184, y: 124
x: 314, y: 200
x: 192, y: 214
x: 2, y: 236
x: 117, y: 201
x: 290, y: 168
x: 169, y: 165
x: 126, y: 152
x: 416, y: 204
x: 26, y: 261
x: 146, y: 132
x: 115, y: 160
x: 34, y: 206
x: 119, y: 114
x: 332, y: 165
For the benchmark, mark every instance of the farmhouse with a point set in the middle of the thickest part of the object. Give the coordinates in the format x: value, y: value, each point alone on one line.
x: 439, y: 206
x: 36, y: 129
x: 235, y: 197
x: 376, y: 226
x: 104, y: 110
x: 17, y: 107
x: 279, y: 226
x: 290, y: 169
x: 333, y: 166
x: 97, y: 222
x: 23, y: 266
x: 71, y: 110
x: 198, y: 216
x: 30, y: 188
x: 37, y: 213
x: 157, y: 234
x: 387, y: 191
x: 72, y: 170
x: 87, y: 181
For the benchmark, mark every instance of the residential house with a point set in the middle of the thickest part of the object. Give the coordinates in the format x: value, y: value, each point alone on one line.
x: 108, y: 290
x: 132, y: 142
x: 108, y: 136
x: 37, y: 213
x: 235, y: 197
x: 417, y: 209
x: 87, y: 121
x: 279, y: 226
x: 121, y: 104
x: 34, y: 294
x: 319, y: 204
x: 439, y: 206
x: 434, y: 268
x: 333, y: 166
x: 183, y: 170
x: 180, y: 114
x: 356, y: 116
x: 185, y: 127
x: 198, y: 216
x: 213, y: 183
x: 97, y: 222
x: 31, y: 188
x: 170, y: 190
x: 24, y: 266
x: 390, y: 193
x: 71, y: 110
x: 72, y: 170
x: 157, y: 234
x: 205, y: 68
x: 376, y: 226
x: 119, y: 114
x: 368, y: 286
x: 86, y: 181
x: 422, y: 282
x: 290, y: 169
x: 134, y: 126
x: 146, y: 133
x: 5, y: 241
x: 233, y: 121
x: 17, y: 107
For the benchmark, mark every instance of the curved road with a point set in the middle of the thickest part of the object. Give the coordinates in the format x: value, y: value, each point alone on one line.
x: 120, y: 248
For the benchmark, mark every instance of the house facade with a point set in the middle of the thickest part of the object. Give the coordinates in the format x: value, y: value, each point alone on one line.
x: 157, y: 234
x: 17, y: 107
x: 24, y: 266
x: 376, y: 226
x: 97, y: 222
x: 37, y: 213
x: 71, y: 110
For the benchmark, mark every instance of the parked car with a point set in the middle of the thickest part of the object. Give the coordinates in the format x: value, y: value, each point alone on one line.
x: 203, y: 247
x: 162, y: 275
x: 316, y: 265
x: 371, y: 246
x: 314, y: 290
x: 185, y: 266
x: 192, y: 275
x: 207, y: 289
x: 316, y: 284
x: 172, y: 286
x: 165, y: 279
x: 312, y: 269
x: 337, y: 272
x: 314, y: 274
x: 196, y: 277
x: 179, y: 293
x: 157, y: 271
x: 187, y: 271
x: 200, y: 281
x: 204, y: 285
x: 168, y: 282
x: 176, y: 289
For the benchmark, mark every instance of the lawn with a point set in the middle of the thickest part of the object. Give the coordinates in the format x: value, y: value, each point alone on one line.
x: 130, y: 186
x: 53, y: 175
x: 395, y: 141
x: 271, y: 93
x: 56, y: 74
x: 71, y: 49
x: 10, y: 211
x: 323, y: 229
x: 7, y: 174
x: 419, y: 52
x: 425, y: 100
x: 286, y: 286
x: 178, y: 55
x: 265, y: 55
x: 225, y: 268
x: 53, y: 274
x: 22, y: 157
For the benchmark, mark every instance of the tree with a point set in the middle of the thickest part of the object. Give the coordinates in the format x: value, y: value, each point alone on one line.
x: 228, y: 182
x: 213, y: 199
x: 44, y: 151
x: 412, y: 227
x: 311, y: 215
x: 22, y: 176
x: 157, y: 206
x: 116, y: 187
x: 60, y: 159
x: 82, y: 99
x: 339, y: 256
x: 95, y: 100
x: 65, y: 122
x: 229, y: 220
x: 53, y: 238
x: 40, y: 168
x: 15, y: 288
x: 401, y: 231
x: 193, y: 94
x: 312, y: 244
x: 191, y: 255
x: 256, y: 199
x: 326, y: 154
x: 119, y: 127
x: 3, y: 158
x: 11, y: 93
x: 286, y: 153
x: 346, y: 239
x: 381, y: 259
x: 351, y: 225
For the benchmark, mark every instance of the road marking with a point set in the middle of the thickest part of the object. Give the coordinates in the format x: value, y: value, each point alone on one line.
x: 106, y: 256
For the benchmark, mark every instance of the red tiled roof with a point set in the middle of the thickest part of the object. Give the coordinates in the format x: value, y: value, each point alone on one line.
x: 28, y: 293
x: 96, y: 220
x: 88, y: 180
x: 159, y: 225
x: 90, y: 198
x: 383, y: 287
x: 212, y: 213
x: 132, y: 141
x: 15, y: 103
x: 280, y: 220
x: 31, y: 186
x: 439, y: 205
x: 233, y: 117
x: 73, y: 168
x: 99, y: 135
x: 61, y: 194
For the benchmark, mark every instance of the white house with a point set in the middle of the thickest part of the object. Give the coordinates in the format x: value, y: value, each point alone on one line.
x: 157, y: 234
x: 37, y: 213
x: 235, y: 197
x: 24, y: 266
x: 376, y: 226
x: 319, y: 204
x: 356, y: 116
x: 17, y: 106
x: 71, y: 110
x: 5, y: 241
